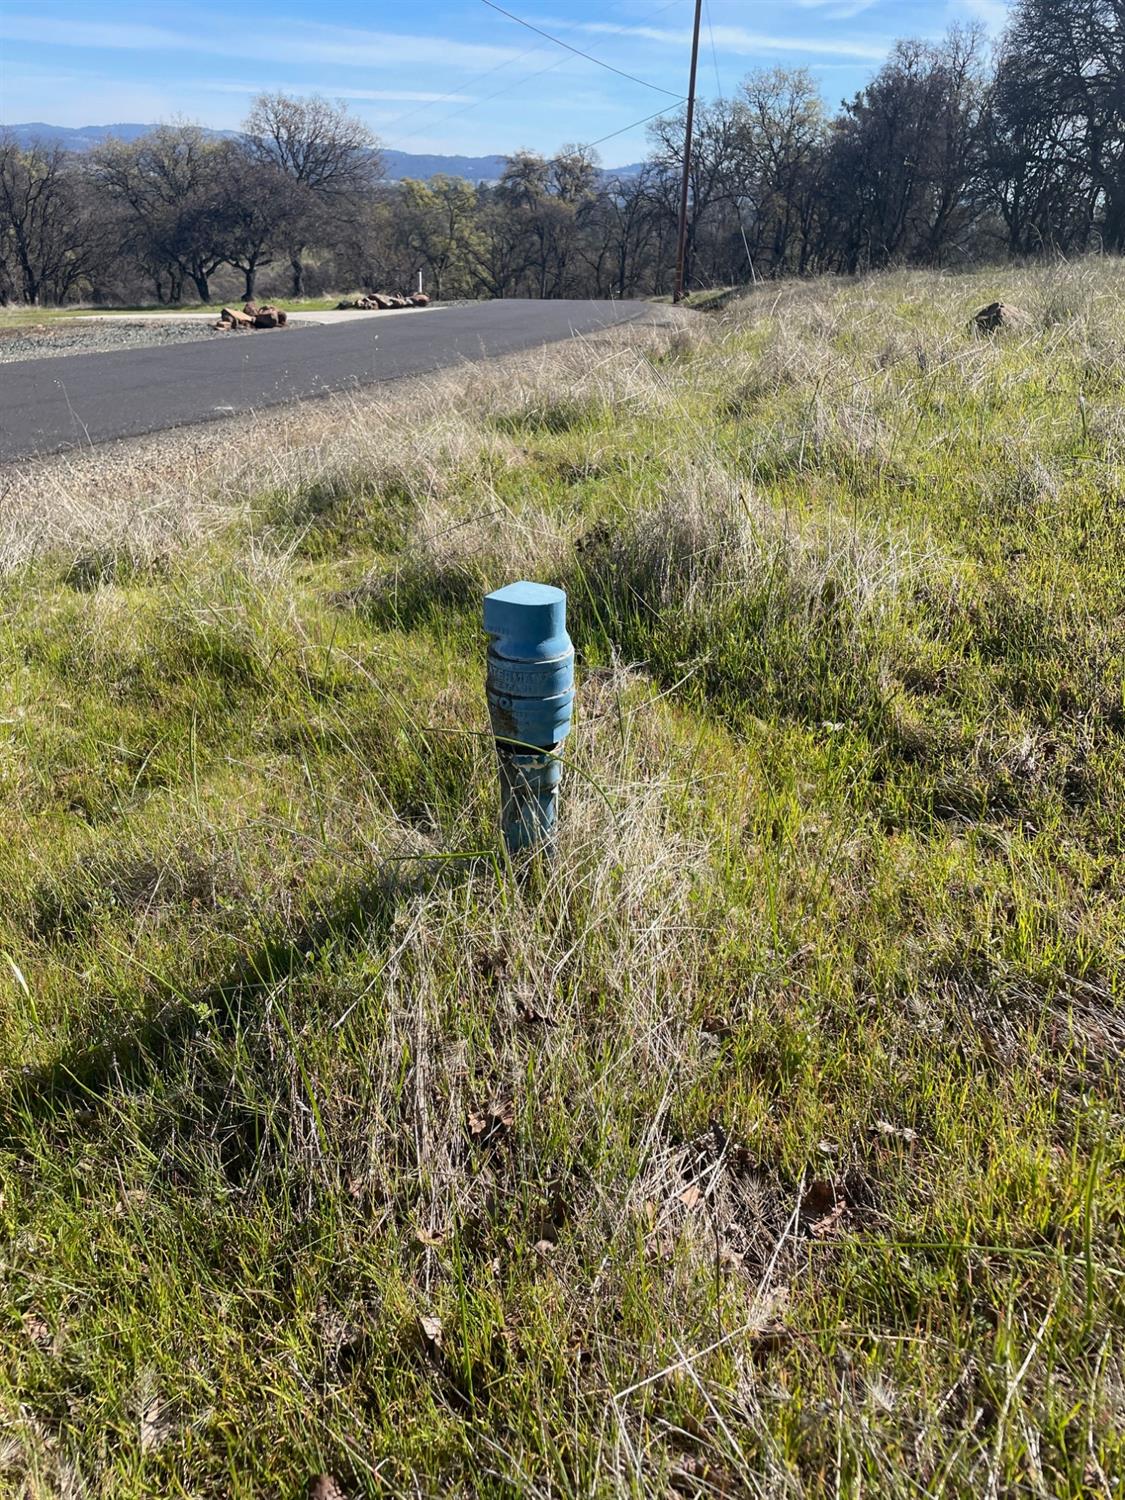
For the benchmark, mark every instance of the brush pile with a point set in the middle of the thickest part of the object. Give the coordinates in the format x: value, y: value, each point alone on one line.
x: 252, y: 316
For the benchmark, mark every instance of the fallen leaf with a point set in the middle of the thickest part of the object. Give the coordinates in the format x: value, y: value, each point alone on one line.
x: 545, y: 1247
x: 901, y: 1132
x: 431, y: 1239
x: 830, y: 1225
x: 533, y: 1013
x: 157, y: 1424
x: 691, y: 1197
x: 820, y: 1196
x: 432, y: 1330
x: 37, y: 1330
x: 324, y: 1487
x: 499, y: 1116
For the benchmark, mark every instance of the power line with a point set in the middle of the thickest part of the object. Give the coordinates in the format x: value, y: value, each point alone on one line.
x: 471, y: 82
x: 714, y: 54
x: 505, y: 89
x: 488, y: 98
x: 589, y: 145
x: 589, y: 56
x: 737, y: 203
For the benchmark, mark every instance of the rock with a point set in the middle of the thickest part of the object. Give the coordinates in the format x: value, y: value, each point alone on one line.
x: 381, y: 299
x: 222, y: 326
x: 325, y: 1487
x: 235, y: 318
x: 267, y: 317
x: 344, y: 306
x: 420, y: 299
x: 250, y: 309
x: 998, y: 315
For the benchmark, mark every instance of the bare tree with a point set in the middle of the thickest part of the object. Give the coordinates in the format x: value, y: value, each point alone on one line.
x: 49, y: 234
x: 1058, y: 139
x: 901, y: 169
x: 172, y: 187
x: 710, y: 176
x: 782, y: 154
x: 948, y: 152
x: 330, y: 159
x: 257, y: 212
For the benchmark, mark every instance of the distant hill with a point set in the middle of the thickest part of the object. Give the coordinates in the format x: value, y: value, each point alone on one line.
x: 80, y: 138
x: 402, y: 164
x: 399, y: 164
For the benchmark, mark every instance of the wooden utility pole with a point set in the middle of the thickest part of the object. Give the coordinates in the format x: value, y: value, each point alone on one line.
x: 681, y: 244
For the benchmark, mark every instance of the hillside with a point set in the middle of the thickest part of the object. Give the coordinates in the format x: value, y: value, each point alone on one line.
x: 769, y: 1140
x: 399, y: 164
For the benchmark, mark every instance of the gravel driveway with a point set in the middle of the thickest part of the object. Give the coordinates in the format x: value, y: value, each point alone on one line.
x: 95, y: 336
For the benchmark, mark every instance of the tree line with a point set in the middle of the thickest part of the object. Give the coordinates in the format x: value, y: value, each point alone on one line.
x: 954, y: 151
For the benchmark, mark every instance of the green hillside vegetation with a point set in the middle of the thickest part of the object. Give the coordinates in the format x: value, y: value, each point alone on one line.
x: 769, y: 1140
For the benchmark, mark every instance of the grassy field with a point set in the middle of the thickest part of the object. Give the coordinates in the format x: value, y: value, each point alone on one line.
x: 769, y: 1141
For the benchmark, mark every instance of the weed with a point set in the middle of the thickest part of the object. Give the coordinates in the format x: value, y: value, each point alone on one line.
x: 765, y: 1141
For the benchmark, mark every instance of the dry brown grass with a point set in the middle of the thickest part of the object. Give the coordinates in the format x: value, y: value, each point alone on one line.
x: 170, y: 493
x: 764, y: 1142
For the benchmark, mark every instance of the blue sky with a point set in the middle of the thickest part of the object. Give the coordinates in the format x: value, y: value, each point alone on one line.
x: 452, y: 77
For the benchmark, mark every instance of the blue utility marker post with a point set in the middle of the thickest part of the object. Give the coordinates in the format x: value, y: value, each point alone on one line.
x: 530, y: 699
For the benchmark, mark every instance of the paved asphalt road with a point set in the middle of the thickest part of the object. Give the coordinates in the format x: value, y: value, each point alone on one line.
x: 50, y: 404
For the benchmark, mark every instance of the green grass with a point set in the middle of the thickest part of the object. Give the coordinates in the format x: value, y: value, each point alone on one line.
x: 769, y: 1140
x: 31, y: 317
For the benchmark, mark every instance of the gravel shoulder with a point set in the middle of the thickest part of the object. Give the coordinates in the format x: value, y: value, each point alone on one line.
x: 100, y: 336
x: 117, y: 393
x: 112, y: 331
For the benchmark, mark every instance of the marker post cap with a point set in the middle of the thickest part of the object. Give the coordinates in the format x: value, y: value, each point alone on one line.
x: 527, y: 621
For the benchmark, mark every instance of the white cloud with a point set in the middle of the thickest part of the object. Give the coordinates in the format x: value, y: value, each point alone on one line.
x: 118, y: 37
x: 738, y: 40
x: 334, y: 90
x: 355, y: 48
x: 994, y: 13
x: 74, y: 100
x: 837, y: 10
x: 304, y: 42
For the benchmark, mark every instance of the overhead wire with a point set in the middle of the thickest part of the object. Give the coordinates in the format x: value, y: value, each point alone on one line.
x: 589, y: 145
x: 488, y: 98
x: 455, y: 93
x: 506, y: 62
x: 719, y: 86
x: 518, y: 83
x: 526, y: 78
x: 714, y: 54
x: 589, y: 56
